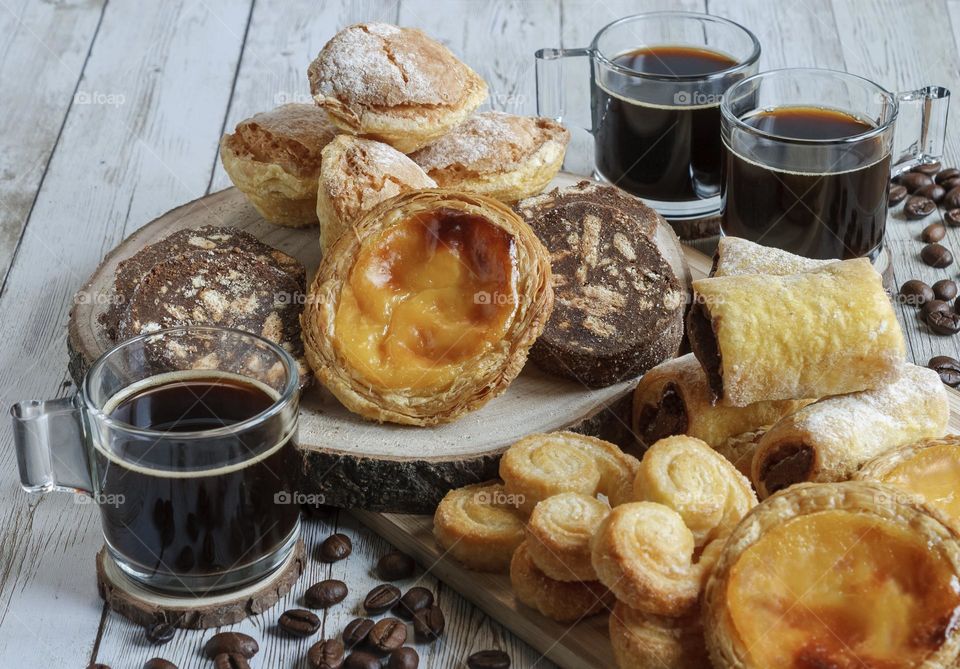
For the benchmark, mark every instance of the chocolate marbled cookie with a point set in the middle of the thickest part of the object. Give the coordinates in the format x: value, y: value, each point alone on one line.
x: 618, y: 306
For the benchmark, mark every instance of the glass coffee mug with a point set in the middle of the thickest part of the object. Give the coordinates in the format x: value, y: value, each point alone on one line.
x: 809, y: 154
x: 185, y: 438
x: 656, y: 81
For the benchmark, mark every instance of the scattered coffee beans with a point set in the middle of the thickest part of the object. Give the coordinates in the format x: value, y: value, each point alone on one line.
x: 948, y: 368
x: 915, y: 293
x: 428, y: 624
x: 413, y: 600
x: 360, y: 659
x: 946, y: 175
x: 936, y: 255
x: 896, y: 195
x: 395, y: 566
x: 403, y: 658
x: 159, y: 663
x: 388, y: 635
x: 356, y: 631
x: 381, y: 599
x: 335, y: 547
x: 489, y: 659
x: 952, y: 217
x: 236, y: 643
x: 230, y: 661
x: 326, y: 654
x: 299, y: 622
x: 918, y: 207
x: 932, y: 307
x: 913, y: 181
x: 325, y: 594
x: 935, y: 192
x: 933, y: 233
x: 928, y: 168
x: 944, y: 322
x: 945, y: 289
x: 952, y: 199
x: 160, y: 632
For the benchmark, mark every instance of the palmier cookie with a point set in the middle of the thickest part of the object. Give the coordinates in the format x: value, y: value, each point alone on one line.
x: 393, y: 84
x: 701, y: 485
x: 274, y: 159
x: 563, y: 601
x: 499, y: 155
x: 477, y: 526
x: 357, y: 174
x: 644, y: 641
x: 645, y: 554
x: 558, y: 535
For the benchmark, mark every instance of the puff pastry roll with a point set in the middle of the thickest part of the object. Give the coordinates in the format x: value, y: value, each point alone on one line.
x: 675, y: 398
x: 478, y: 527
x: 736, y: 256
x: 829, y: 331
x: 644, y: 641
x: 830, y: 439
x: 558, y: 535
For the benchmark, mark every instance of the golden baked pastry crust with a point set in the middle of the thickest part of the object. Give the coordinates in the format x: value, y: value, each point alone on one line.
x: 644, y: 641
x: 830, y: 439
x: 356, y: 175
x: 739, y: 257
x: 740, y: 449
x: 274, y: 159
x: 407, y: 373
x: 396, y: 85
x: 825, y: 332
x: 558, y: 535
x: 675, y: 398
x: 476, y: 526
x: 499, y: 155
x: 835, y: 575
x: 563, y: 601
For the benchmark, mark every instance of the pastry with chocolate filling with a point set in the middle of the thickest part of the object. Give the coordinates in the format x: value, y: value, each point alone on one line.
x: 829, y: 331
x: 395, y: 85
x: 356, y: 175
x: 503, y: 156
x: 428, y: 310
x: 830, y: 439
x: 274, y: 159
x: 619, y: 305
x: 645, y: 641
x: 836, y: 575
x: 675, y: 398
x: 738, y: 257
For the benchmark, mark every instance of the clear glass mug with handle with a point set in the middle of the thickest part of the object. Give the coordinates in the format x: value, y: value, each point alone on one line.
x: 185, y: 439
x: 656, y: 81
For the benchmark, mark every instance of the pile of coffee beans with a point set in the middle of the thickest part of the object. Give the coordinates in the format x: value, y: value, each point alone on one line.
x: 937, y: 303
x: 921, y: 190
x: 948, y: 368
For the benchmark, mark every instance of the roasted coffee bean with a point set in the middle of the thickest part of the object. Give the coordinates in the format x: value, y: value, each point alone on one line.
x: 952, y: 217
x: 299, y: 622
x: 326, y: 654
x: 933, y: 191
x: 413, y: 600
x: 950, y: 184
x: 933, y: 233
x: 335, y: 547
x: 387, y: 635
x: 230, y: 661
x: 913, y: 181
x: 395, y: 566
x: 896, y: 195
x: 382, y: 598
x: 928, y: 168
x: 360, y: 659
x: 918, y: 207
x: 356, y: 631
x: 915, y: 293
x: 403, y: 658
x: 160, y: 632
x: 952, y: 199
x: 428, y: 624
x: 945, y: 289
x: 159, y: 663
x: 237, y: 643
x: 936, y: 255
x: 489, y: 659
x: 325, y: 594
x: 944, y: 322
x: 933, y: 306
x: 948, y: 368
x: 946, y: 175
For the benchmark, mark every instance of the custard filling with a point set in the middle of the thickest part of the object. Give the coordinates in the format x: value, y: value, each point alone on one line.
x: 426, y: 298
x: 842, y: 590
x: 933, y: 474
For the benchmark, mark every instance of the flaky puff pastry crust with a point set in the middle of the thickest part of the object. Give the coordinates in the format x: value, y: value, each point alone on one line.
x: 824, y: 332
x: 563, y: 601
x: 739, y: 257
x: 356, y: 175
x: 274, y: 159
x: 644, y: 641
x: 559, y: 532
x: 478, y: 527
x: 740, y: 449
x: 395, y: 85
x: 830, y: 439
x: 839, y: 603
x: 647, y: 556
x: 701, y: 485
x: 675, y: 398
x: 485, y: 376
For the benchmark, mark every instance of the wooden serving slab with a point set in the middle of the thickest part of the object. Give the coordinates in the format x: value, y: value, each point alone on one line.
x: 354, y: 463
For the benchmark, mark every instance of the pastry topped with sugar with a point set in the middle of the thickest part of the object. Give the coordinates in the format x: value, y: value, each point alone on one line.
x: 358, y: 174
x: 503, y: 156
x: 393, y: 84
x: 274, y: 158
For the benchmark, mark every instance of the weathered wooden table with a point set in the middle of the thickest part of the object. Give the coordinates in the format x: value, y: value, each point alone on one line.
x: 111, y: 114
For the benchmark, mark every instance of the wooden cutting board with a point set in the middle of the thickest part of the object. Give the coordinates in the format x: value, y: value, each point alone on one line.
x: 354, y: 463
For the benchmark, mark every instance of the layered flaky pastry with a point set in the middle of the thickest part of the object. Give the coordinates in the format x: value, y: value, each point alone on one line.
x: 396, y: 85
x: 736, y: 256
x: 559, y: 532
x: 428, y: 310
x: 645, y: 641
x: 477, y: 526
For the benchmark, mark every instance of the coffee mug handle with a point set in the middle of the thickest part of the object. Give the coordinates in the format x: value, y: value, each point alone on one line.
x: 51, y: 450
x: 551, y: 99
x: 921, y: 127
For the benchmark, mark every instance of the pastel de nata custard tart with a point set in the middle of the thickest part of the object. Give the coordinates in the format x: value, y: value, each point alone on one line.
x: 396, y: 85
x: 839, y: 575
x: 274, y: 159
x: 428, y: 310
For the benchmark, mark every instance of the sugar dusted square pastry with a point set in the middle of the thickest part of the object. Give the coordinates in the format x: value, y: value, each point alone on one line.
x: 274, y: 158
x: 499, y: 155
x: 396, y: 85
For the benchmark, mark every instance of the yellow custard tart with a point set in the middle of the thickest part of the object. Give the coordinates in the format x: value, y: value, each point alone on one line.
x: 836, y: 575
x: 428, y: 311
